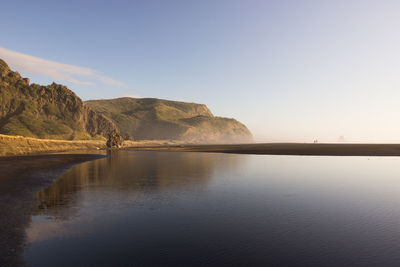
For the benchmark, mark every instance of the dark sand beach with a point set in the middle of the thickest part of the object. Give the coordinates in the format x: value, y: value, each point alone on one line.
x: 287, y: 149
x: 20, y: 178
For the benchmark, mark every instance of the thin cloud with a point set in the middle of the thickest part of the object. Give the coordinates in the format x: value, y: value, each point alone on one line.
x: 110, y: 81
x: 133, y: 96
x: 58, y: 71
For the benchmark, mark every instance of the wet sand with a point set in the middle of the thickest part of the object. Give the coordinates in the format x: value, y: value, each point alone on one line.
x: 288, y: 149
x: 20, y: 178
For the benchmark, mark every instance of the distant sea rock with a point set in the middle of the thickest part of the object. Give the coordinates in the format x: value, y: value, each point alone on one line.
x: 158, y: 119
x: 51, y: 111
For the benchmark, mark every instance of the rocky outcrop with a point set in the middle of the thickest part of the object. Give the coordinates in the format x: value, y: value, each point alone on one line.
x: 51, y: 111
x: 157, y: 119
x: 114, y: 140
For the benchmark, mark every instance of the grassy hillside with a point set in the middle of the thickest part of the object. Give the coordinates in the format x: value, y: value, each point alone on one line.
x: 150, y: 118
x: 52, y: 111
x: 55, y: 112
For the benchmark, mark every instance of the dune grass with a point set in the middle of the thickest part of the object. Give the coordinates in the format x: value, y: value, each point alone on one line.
x: 19, y: 145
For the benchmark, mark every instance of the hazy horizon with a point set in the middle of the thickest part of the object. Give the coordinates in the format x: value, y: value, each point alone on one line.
x: 291, y: 71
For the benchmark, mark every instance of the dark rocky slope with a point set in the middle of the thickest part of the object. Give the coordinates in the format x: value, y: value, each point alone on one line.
x: 51, y: 111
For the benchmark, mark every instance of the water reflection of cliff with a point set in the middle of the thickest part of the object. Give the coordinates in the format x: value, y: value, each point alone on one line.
x: 131, y: 172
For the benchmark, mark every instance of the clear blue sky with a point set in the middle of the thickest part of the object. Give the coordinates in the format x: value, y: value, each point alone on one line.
x: 290, y: 70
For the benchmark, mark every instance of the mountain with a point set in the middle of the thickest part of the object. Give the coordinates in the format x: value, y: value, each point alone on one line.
x: 51, y: 111
x: 157, y: 119
x: 55, y: 112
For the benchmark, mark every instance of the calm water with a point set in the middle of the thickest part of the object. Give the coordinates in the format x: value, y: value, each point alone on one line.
x: 187, y: 209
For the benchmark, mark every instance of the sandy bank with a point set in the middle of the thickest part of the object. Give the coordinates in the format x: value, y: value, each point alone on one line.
x: 19, y: 145
x: 287, y: 149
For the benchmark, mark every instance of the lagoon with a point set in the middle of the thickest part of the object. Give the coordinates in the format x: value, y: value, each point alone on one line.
x: 147, y: 208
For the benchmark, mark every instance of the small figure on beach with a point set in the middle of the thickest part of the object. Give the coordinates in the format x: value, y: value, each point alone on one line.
x: 114, y: 140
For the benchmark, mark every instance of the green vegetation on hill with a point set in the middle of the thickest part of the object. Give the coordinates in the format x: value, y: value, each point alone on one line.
x: 51, y: 111
x: 157, y: 119
x: 55, y: 112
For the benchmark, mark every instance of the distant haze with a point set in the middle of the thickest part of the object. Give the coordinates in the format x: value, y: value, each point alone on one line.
x: 292, y: 71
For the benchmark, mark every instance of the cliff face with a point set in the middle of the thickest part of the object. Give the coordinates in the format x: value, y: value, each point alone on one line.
x: 51, y: 111
x: 157, y: 119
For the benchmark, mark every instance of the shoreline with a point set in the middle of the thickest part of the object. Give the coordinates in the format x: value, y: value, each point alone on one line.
x: 20, y: 177
x: 299, y: 149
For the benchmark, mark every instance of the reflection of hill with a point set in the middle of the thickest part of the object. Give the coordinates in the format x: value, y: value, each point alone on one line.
x: 20, y: 177
x: 131, y: 172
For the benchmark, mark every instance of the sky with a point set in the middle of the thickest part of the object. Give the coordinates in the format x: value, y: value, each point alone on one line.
x: 291, y: 71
